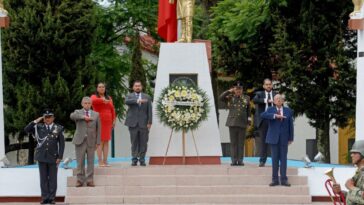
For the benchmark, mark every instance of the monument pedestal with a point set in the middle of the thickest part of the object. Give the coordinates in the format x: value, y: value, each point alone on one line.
x: 184, y: 60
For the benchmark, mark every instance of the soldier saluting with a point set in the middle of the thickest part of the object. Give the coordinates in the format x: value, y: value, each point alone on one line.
x: 237, y: 121
x: 49, y: 153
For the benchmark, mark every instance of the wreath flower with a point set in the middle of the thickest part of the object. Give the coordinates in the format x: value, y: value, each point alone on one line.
x: 182, y: 107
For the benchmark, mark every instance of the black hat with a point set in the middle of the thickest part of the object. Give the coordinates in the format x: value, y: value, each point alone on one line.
x: 47, y: 112
x: 238, y: 84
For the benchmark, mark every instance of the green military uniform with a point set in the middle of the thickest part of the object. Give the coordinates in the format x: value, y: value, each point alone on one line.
x: 237, y: 121
x: 355, y: 196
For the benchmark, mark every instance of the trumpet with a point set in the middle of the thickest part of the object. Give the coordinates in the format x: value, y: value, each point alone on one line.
x: 336, y: 198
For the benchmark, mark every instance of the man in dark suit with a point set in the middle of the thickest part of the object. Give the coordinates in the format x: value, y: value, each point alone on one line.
x: 237, y: 121
x: 279, y: 136
x: 49, y: 153
x: 86, y: 139
x: 139, y: 121
x: 262, y: 100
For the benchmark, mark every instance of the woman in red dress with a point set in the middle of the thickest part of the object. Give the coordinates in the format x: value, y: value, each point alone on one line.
x: 102, y: 103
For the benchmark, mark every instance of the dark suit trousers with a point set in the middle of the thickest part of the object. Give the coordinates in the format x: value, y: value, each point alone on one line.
x: 139, y: 142
x: 48, y: 180
x: 261, y: 146
x: 237, y: 140
x: 279, y: 161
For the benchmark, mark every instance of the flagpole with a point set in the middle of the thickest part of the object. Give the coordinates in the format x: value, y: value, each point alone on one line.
x: 356, y: 22
x: 4, y: 22
x: 2, y: 130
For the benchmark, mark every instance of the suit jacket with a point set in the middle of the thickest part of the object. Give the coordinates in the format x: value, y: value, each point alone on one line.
x: 90, y: 131
x: 138, y: 115
x: 53, y: 146
x: 239, y: 109
x: 260, y: 106
x: 279, y: 130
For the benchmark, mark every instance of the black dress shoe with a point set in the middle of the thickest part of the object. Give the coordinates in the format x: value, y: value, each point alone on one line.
x: 45, y: 201
x: 52, y: 201
x: 274, y: 184
x: 234, y: 164
x: 261, y: 164
x: 285, y: 184
x: 134, y: 164
x: 240, y: 164
x: 143, y: 164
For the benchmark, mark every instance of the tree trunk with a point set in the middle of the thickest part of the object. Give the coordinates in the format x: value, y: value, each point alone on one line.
x: 214, y: 91
x: 323, y: 139
x: 137, y: 70
x: 207, y: 4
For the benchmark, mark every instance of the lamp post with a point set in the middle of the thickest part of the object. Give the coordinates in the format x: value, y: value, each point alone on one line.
x: 4, y: 23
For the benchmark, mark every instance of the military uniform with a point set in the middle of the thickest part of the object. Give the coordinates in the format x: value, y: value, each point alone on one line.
x: 237, y: 121
x: 50, y: 147
x: 355, y: 196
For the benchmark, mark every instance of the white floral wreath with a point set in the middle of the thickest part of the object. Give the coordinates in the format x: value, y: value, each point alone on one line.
x: 182, y: 107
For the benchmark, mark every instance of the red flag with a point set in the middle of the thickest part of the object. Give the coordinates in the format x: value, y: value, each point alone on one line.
x: 167, y: 20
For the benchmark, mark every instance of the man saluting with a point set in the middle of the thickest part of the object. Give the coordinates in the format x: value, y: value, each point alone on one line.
x: 49, y: 153
x: 237, y: 121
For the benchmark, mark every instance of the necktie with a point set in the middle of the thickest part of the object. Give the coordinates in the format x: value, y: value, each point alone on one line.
x: 269, y: 98
x: 139, y: 98
x: 87, y: 115
x: 280, y: 113
x: 48, y: 128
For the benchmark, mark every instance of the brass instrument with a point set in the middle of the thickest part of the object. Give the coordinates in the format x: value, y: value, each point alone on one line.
x: 336, y: 198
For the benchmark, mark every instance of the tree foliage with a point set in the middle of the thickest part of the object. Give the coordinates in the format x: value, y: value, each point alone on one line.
x: 45, y: 52
x: 131, y: 19
x: 313, y: 52
x: 240, y: 32
x: 112, y: 65
x: 307, y: 42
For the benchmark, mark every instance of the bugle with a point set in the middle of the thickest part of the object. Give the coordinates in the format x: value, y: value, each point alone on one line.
x: 336, y: 198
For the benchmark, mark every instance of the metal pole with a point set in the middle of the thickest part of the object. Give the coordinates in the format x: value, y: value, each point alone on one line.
x: 359, y: 120
x: 184, y: 146
x: 113, y: 143
x: 2, y: 130
x: 169, y: 143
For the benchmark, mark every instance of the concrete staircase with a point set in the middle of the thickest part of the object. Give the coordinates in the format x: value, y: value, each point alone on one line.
x: 194, y: 184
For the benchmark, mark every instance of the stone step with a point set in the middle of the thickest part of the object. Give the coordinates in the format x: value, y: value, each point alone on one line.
x: 187, y: 190
x: 188, y: 170
x: 189, y: 199
x: 185, y: 180
x: 60, y: 203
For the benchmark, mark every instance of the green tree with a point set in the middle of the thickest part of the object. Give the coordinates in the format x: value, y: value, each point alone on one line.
x: 137, y: 69
x: 45, y: 52
x: 133, y: 18
x: 129, y: 19
x: 240, y: 33
x: 306, y: 42
x: 111, y: 65
x: 312, y: 52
